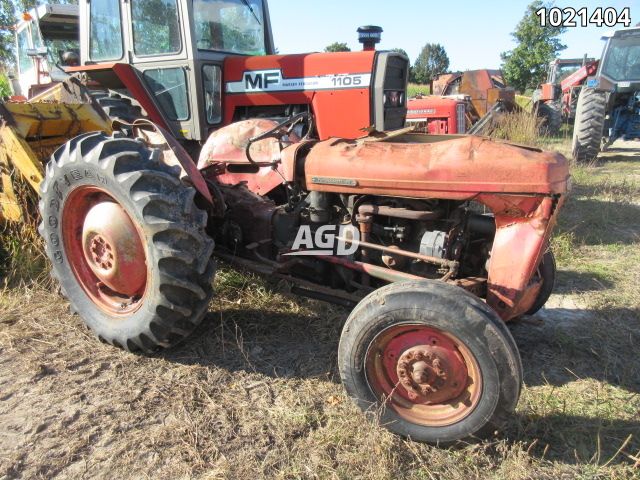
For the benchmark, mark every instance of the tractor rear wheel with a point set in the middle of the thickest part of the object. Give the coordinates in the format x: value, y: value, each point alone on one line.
x: 126, y: 241
x: 432, y: 362
x: 588, y: 127
x: 551, y: 114
x: 118, y: 107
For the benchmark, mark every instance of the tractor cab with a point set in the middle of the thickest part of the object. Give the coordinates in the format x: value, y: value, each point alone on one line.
x: 620, y: 65
x: 562, y: 68
x: 194, y: 66
x: 168, y: 55
x: 609, y: 108
x: 47, y: 40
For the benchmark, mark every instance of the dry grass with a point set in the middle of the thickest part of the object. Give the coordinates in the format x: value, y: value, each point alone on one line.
x: 22, y: 257
x: 518, y: 127
x: 255, y: 394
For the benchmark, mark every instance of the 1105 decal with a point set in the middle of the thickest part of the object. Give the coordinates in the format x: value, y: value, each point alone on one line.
x: 583, y: 17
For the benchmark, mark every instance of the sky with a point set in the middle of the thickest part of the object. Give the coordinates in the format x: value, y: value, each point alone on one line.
x: 473, y: 32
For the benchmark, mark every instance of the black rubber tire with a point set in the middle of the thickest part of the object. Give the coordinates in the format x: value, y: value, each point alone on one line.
x: 450, y: 309
x: 547, y: 270
x: 588, y: 127
x: 118, y: 108
x: 179, y: 252
x: 551, y: 114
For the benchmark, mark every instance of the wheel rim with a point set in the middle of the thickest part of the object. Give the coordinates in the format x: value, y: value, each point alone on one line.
x: 426, y: 375
x: 105, y: 250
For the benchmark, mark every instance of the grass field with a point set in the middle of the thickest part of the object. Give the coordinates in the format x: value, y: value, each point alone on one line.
x: 416, y: 88
x: 255, y: 393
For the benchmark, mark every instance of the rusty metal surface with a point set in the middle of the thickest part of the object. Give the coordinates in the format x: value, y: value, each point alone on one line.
x: 483, y: 87
x: 115, y: 278
x: 426, y: 375
x: 227, y: 147
x: 522, y: 235
x: 367, y: 209
x: 113, y: 249
x: 458, y: 168
x: 396, y: 251
x: 382, y: 273
x: 251, y: 212
x: 523, y: 187
x: 431, y: 373
x: 173, y: 152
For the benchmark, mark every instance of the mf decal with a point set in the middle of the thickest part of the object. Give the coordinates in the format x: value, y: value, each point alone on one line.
x: 257, y: 81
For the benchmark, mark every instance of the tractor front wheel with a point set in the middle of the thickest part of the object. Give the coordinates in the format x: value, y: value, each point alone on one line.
x: 547, y: 274
x: 126, y: 241
x: 432, y: 362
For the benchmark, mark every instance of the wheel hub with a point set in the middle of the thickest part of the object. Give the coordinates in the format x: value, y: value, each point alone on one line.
x: 431, y: 373
x: 113, y: 249
x: 101, y: 253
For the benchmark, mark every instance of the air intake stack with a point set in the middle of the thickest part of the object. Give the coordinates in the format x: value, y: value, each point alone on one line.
x: 369, y: 36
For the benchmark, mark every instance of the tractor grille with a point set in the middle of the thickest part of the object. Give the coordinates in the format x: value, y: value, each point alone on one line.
x: 389, y: 93
x: 461, y: 119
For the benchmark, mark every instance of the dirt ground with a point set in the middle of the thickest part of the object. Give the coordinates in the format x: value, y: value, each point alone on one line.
x: 255, y: 393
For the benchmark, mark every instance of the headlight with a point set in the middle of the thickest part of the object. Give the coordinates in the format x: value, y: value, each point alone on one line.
x: 393, y: 99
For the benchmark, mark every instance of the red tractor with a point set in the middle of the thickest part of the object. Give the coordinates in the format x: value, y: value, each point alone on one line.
x: 459, y: 101
x: 556, y: 100
x: 437, y: 115
x: 298, y: 167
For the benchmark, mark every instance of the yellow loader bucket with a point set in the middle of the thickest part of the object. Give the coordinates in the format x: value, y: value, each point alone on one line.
x: 29, y: 133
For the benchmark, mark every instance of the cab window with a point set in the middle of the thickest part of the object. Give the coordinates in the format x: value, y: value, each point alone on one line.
x: 622, y: 59
x: 156, y: 27
x: 235, y: 26
x: 212, y: 78
x: 105, y: 25
x: 24, y: 61
x: 169, y: 86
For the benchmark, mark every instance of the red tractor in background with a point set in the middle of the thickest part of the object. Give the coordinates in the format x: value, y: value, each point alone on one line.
x: 556, y: 100
x: 299, y: 167
x: 459, y: 100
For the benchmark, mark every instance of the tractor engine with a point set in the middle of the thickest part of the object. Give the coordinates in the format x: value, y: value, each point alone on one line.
x: 296, y: 204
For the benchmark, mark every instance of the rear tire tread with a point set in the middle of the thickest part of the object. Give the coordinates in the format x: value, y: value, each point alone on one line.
x: 589, y: 124
x: 155, y: 187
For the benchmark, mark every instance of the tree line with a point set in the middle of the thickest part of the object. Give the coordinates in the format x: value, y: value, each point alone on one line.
x: 431, y: 62
x: 524, y: 67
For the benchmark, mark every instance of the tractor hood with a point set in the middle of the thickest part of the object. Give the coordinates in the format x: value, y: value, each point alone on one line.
x: 422, y: 166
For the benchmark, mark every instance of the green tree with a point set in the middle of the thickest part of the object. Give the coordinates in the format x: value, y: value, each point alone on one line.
x: 337, y: 47
x: 9, y: 13
x: 400, y: 50
x: 7, y: 20
x: 524, y: 67
x: 5, y: 88
x: 431, y: 62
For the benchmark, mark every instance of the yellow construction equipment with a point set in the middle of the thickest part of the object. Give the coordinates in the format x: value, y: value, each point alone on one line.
x: 31, y: 131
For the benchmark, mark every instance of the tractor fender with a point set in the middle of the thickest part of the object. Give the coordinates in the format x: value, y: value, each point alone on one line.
x: 155, y: 135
